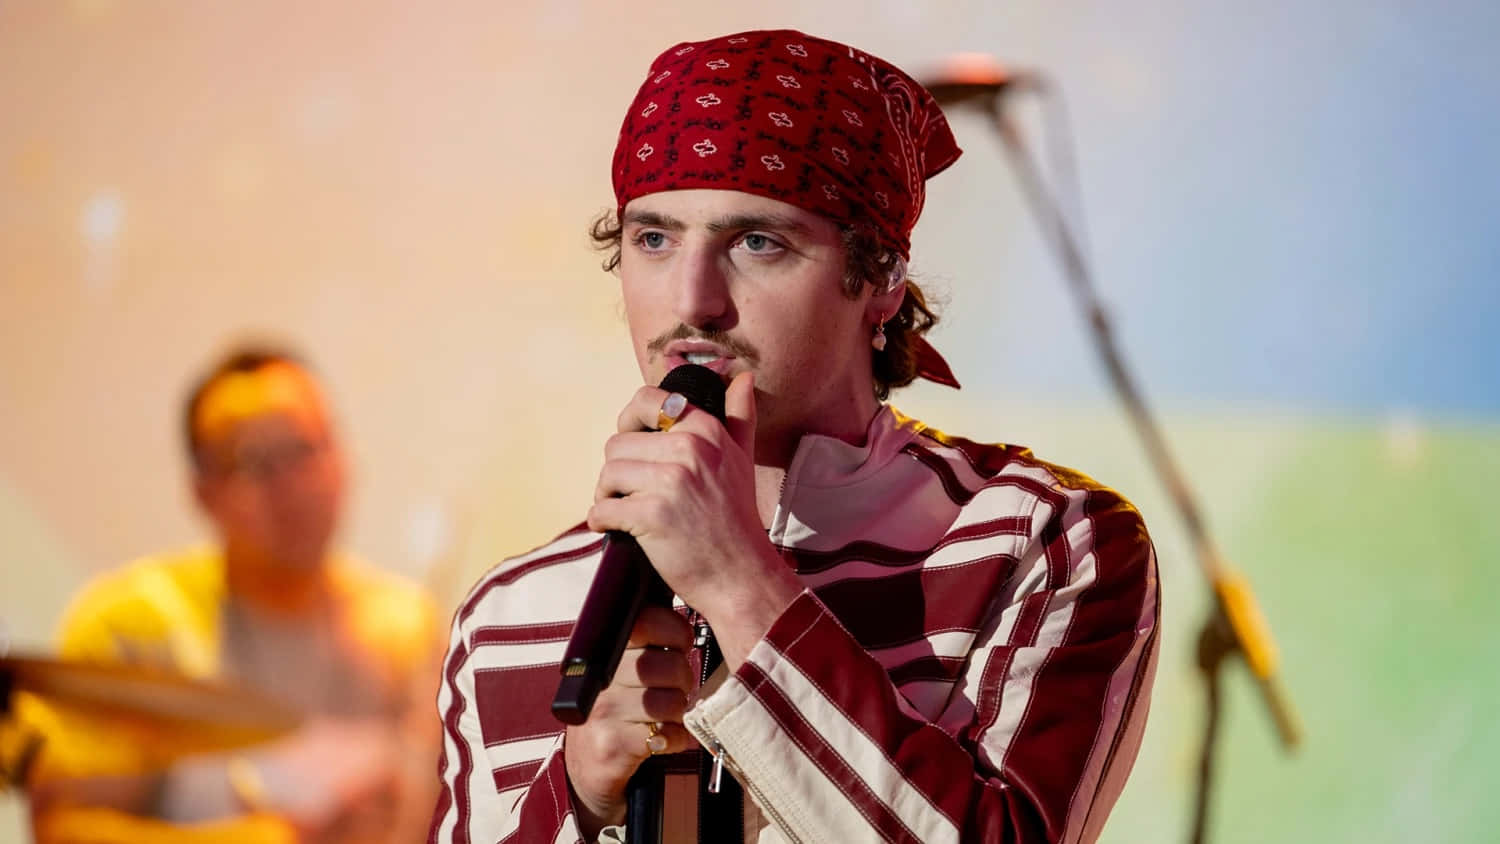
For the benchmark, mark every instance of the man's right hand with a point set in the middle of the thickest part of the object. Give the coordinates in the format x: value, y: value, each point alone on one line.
x: 651, y: 685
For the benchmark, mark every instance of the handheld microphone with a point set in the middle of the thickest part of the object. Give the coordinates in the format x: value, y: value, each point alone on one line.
x: 623, y: 583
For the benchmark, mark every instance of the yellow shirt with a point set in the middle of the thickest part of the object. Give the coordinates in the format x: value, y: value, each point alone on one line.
x: 169, y: 612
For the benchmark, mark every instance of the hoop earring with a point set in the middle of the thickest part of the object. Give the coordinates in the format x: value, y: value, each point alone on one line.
x: 896, y: 275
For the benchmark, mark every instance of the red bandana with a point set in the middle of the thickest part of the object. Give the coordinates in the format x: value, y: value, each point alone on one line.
x: 795, y: 118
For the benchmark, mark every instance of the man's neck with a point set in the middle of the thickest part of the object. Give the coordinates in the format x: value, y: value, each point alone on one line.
x: 773, y: 458
x: 768, y: 483
x: 274, y: 588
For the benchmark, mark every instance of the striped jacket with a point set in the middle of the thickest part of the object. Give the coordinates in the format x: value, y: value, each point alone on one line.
x: 971, y: 659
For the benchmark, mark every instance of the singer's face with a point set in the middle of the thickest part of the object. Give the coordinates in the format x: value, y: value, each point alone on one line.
x: 735, y: 281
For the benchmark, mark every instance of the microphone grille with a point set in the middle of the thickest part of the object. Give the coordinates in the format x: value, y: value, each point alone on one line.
x: 701, y: 386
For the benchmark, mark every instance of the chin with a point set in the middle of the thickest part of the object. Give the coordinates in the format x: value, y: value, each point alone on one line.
x: 302, y: 557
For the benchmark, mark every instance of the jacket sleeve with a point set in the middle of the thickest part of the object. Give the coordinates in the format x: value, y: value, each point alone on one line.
x: 513, y: 789
x: 1036, y: 739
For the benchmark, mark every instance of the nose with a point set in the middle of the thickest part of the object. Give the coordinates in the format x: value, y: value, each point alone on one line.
x: 701, y: 290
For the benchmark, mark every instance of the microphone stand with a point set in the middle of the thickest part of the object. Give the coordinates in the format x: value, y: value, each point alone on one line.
x: 1235, y: 624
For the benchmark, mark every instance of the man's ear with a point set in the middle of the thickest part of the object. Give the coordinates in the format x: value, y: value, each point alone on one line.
x: 883, y: 303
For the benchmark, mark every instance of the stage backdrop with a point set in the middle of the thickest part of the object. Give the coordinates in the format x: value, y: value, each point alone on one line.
x: 1291, y: 208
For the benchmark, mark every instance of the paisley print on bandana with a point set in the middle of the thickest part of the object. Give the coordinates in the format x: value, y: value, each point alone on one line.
x: 795, y: 118
x: 830, y: 114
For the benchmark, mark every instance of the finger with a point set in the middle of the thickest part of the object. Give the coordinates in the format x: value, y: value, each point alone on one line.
x: 678, y: 737
x: 622, y: 477
x: 693, y: 448
x: 664, y: 705
x: 739, y: 412
x: 607, y: 514
x: 630, y: 445
x: 646, y: 411
x: 659, y: 627
x: 633, y: 416
x: 620, y: 703
x: 631, y: 739
x: 655, y: 668
x: 637, y: 515
x: 643, y: 411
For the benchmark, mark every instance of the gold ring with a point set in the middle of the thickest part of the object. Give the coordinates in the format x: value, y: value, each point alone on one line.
x: 655, y: 741
x: 671, y: 409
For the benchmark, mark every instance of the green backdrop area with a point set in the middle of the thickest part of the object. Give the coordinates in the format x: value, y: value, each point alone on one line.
x: 1369, y: 543
x: 1370, y: 548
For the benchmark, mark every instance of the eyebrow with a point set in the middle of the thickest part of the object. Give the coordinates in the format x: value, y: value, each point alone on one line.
x: 655, y: 220
x: 733, y: 222
x: 740, y: 222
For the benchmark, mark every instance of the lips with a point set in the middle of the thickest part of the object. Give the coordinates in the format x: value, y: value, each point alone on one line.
x: 702, y: 353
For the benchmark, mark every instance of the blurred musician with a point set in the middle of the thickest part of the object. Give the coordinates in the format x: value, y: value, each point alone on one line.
x: 270, y: 608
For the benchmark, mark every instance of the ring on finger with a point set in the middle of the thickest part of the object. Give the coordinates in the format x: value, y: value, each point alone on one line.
x: 671, y: 409
x: 655, y: 741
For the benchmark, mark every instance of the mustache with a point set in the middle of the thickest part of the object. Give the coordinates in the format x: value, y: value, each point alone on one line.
x: 723, y: 339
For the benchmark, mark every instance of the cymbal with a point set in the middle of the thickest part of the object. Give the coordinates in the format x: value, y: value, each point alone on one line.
x: 183, y: 711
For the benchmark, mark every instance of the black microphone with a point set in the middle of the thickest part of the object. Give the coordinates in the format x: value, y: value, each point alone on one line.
x: 624, y: 582
x: 974, y: 77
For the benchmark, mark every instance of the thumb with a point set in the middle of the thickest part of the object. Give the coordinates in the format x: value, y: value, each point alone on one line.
x: 739, y: 412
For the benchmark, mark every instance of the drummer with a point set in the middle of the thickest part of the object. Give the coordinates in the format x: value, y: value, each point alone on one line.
x: 268, y: 607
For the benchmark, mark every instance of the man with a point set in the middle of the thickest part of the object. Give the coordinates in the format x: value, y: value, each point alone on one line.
x: 924, y: 638
x: 270, y: 609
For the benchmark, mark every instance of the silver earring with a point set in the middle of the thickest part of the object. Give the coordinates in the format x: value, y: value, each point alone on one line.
x: 896, y: 276
x: 878, y: 341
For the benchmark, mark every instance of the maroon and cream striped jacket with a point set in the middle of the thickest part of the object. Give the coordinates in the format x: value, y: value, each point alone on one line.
x: 971, y: 661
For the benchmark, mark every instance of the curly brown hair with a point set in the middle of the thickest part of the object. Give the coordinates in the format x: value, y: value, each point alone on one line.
x: 866, y: 261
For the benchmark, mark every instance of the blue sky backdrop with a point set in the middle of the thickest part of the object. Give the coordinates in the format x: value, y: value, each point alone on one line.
x: 1294, y: 203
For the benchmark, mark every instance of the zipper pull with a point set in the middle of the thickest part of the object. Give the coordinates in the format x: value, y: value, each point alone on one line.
x: 716, y: 777
x: 701, y: 632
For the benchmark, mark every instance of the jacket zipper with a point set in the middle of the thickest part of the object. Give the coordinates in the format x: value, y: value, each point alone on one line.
x: 703, y: 638
x: 722, y: 758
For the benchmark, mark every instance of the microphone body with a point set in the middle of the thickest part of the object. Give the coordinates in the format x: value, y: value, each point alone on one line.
x: 623, y: 584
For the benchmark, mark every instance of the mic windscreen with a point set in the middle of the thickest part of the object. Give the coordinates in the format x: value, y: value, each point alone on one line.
x: 701, y: 386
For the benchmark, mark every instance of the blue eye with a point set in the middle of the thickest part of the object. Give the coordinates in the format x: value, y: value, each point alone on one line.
x: 652, y: 240
x: 756, y: 243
